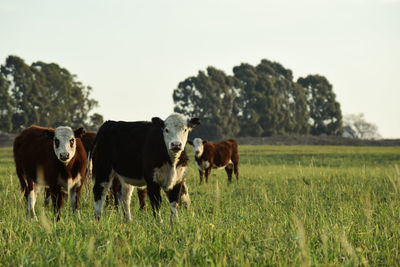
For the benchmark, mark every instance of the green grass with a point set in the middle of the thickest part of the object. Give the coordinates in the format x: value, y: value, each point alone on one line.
x: 306, y: 205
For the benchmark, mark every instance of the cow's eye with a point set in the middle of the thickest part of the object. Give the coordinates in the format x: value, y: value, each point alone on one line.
x: 71, y: 142
x: 57, y: 142
x: 185, y: 130
x: 166, y: 130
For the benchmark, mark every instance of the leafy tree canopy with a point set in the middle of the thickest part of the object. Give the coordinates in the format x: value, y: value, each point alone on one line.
x: 43, y: 94
x: 325, y: 112
x: 260, y: 100
x: 210, y: 96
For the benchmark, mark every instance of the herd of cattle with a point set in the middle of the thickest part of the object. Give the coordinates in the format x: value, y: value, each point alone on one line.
x: 122, y: 155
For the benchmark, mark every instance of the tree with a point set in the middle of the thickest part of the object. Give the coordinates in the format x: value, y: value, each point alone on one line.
x: 45, y: 94
x: 357, y: 127
x: 96, y: 120
x: 27, y: 92
x: 325, y: 112
x: 6, y: 105
x: 261, y: 100
x: 210, y: 96
x: 270, y: 102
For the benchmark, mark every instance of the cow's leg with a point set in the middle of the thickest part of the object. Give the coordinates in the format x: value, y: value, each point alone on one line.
x: 201, y: 172
x: 100, y: 191
x: 207, y: 173
x: 236, y: 170
x: 31, y: 196
x: 58, y: 197
x: 153, y: 190
x: 116, y: 188
x: 174, y: 199
x: 75, y: 197
x: 47, y: 197
x: 102, y: 175
x: 142, y: 197
x: 125, y: 200
x: 235, y: 160
x: 184, y: 197
x: 229, y: 169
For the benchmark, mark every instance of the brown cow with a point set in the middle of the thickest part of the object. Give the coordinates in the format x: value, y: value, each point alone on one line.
x: 53, y: 158
x: 87, y: 140
x: 217, y: 155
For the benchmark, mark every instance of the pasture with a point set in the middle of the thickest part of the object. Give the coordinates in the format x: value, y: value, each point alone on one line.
x: 293, y: 205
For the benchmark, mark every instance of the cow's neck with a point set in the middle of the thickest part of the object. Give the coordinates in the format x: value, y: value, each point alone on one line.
x: 174, y: 158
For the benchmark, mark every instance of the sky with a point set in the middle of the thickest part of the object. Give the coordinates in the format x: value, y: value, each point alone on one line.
x: 134, y: 53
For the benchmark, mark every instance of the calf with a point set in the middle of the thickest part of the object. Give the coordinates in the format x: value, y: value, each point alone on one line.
x: 142, y: 154
x: 53, y: 158
x: 217, y: 155
x: 87, y: 140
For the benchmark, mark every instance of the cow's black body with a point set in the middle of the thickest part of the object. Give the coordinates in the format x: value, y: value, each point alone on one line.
x: 134, y: 150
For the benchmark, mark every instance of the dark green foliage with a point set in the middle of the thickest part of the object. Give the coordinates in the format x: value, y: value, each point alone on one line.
x: 43, y: 94
x: 325, y: 112
x: 261, y: 100
x: 270, y: 101
x: 210, y: 96
x: 6, y: 104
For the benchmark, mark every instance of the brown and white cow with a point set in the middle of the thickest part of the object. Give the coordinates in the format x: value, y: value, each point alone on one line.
x: 217, y: 155
x: 53, y: 158
x: 87, y: 140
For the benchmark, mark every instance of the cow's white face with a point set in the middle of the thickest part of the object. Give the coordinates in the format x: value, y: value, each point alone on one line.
x: 64, y: 144
x: 175, y: 129
x: 198, y: 147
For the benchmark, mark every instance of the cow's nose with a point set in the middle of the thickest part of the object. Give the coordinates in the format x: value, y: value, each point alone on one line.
x: 176, y: 145
x: 64, y: 155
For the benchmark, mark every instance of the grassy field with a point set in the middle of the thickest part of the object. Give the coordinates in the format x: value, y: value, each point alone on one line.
x: 292, y: 206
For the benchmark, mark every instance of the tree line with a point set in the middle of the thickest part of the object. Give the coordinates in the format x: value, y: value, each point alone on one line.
x: 44, y: 94
x: 262, y: 100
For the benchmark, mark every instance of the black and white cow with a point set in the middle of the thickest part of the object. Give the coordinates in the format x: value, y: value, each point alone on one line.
x: 142, y: 154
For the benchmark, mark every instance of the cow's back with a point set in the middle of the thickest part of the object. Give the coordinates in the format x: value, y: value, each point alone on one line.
x: 220, y: 153
x: 120, y: 146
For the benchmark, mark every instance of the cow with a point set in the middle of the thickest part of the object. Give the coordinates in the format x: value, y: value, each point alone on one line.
x: 53, y: 158
x: 142, y: 154
x: 209, y: 155
x: 87, y: 140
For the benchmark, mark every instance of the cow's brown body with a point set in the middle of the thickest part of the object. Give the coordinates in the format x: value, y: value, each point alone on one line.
x: 88, y: 140
x: 217, y: 155
x: 38, y: 166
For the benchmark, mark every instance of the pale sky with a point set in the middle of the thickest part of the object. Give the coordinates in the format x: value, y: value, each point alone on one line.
x: 134, y: 53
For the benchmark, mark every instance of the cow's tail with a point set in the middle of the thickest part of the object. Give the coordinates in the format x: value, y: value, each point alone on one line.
x: 89, y: 167
x: 18, y: 165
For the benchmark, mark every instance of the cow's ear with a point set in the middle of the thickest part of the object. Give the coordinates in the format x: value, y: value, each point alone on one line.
x: 49, y: 133
x: 79, y: 132
x: 190, y: 142
x: 157, y: 121
x: 193, y: 123
x: 204, y: 141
